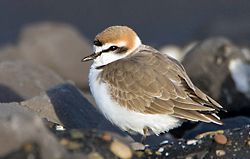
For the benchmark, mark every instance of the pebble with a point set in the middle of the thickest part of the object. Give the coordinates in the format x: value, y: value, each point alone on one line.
x: 220, y: 139
x: 121, y: 150
x: 164, y: 142
x: 106, y: 136
x: 166, y: 154
x: 75, y: 134
x: 148, y: 151
x: 220, y: 153
x: 60, y: 128
x: 137, y: 146
x: 94, y: 155
x: 248, y: 142
x: 161, y: 149
x: 73, y: 145
x: 158, y: 153
x: 69, y: 144
x: 192, y: 142
x: 64, y: 142
x: 28, y: 147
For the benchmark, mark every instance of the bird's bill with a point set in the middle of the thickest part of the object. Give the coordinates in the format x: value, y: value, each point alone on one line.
x: 90, y: 57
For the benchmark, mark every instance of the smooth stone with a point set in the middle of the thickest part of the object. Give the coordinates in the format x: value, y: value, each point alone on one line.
x: 58, y: 46
x: 20, y: 80
x: 19, y: 128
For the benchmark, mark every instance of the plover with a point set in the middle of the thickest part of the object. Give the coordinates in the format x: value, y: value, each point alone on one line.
x: 142, y: 90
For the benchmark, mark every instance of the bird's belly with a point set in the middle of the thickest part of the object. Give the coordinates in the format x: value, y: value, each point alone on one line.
x: 125, y: 118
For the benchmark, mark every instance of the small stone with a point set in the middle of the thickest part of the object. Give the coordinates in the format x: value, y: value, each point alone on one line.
x: 192, y: 142
x: 60, y: 128
x: 248, y: 142
x: 121, y: 150
x: 164, y: 142
x: 94, y: 155
x: 166, y: 154
x: 64, y: 142
x: 139, y: 154
x: 75, y: 134
x: 220, y: 153
x: 158, y: 153
x: 28, y: 147
x: 148, y: 151
x: 137, y: 146
x: 161, y: 149
x: 70, y: 144
x: 106, y: 136
x: 220, y: 139
x: 73, y: 146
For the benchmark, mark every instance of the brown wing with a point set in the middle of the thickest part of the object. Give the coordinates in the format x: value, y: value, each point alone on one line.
x: 151, y: 83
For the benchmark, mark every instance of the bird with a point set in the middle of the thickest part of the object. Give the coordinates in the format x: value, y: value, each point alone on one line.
x: 142, y: 90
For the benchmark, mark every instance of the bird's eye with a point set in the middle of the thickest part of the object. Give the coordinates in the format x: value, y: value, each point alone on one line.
x: 113, y: 48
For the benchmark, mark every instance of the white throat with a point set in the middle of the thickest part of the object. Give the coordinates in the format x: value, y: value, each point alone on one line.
x: 108, y: 57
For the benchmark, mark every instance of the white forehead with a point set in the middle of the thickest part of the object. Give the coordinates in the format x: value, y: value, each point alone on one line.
x: 107, y: 45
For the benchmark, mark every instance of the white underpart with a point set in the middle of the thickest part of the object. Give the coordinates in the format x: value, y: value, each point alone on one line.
x: 240, y: 73
x: 121, y: 116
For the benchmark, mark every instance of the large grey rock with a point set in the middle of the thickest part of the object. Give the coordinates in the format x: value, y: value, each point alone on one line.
x: 21, y: 80
x: 65, y: 104
x: 58, y: 46
x: 8, y: 109
x: 9, y: 52
x: 209, y: 65
x: 19, y: 128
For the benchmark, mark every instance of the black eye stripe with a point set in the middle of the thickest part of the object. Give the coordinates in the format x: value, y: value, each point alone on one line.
x: 111, y: 48
x: 97, y: 43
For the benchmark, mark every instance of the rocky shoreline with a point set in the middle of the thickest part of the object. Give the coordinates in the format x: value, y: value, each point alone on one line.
x: 46, y: 110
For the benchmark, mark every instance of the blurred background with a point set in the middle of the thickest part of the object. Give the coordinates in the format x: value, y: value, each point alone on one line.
x: 157, y: 23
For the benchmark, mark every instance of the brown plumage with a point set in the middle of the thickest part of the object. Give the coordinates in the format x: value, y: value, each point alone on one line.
x: 115, y: 34
x: 139, y: 89
x: 149, y: 82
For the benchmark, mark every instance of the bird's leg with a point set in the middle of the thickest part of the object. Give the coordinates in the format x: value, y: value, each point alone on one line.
x: 144, y: 136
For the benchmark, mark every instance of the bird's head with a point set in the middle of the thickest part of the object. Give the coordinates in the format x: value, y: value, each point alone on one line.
x: 112, y: 44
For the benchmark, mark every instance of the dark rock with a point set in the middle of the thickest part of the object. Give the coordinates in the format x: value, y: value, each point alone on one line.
x: 204, y: 148
x: 21, y: 80
x: 58, y: 46
x: 209, y: 65
x: 229, y: 123
x: 66, y: 105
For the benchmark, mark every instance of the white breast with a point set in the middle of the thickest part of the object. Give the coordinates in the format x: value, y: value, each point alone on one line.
x: 122, y: 117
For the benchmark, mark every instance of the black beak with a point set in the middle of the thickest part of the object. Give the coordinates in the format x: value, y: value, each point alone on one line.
x: 90, y: 57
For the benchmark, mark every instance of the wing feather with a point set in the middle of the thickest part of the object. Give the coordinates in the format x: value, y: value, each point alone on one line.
x: 151, y: 83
